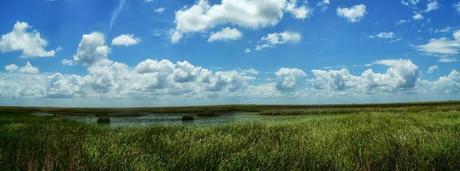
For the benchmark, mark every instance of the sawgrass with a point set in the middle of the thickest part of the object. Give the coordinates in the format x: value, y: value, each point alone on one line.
x: 358, y: 140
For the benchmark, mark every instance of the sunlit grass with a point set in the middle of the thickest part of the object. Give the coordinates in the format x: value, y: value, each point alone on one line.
x: 393, y: 140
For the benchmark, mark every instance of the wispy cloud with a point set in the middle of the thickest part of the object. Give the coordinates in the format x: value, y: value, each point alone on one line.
x: 115, y: 13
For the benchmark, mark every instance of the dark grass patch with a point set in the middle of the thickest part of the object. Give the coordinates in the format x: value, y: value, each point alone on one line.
x: 103, y: 120
x: 188, y: 118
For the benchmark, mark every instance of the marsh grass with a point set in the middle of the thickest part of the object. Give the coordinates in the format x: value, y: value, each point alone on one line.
x: 188, y: 118
x: 367, y: 140
x: 103, y: 120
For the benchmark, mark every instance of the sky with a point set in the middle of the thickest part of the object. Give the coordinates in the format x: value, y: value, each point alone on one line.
x: 123, y: 53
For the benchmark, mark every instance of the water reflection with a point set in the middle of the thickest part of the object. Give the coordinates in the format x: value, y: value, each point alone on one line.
x: 177, y: 119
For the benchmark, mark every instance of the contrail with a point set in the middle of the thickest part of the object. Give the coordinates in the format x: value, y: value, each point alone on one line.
x: 115, y: 13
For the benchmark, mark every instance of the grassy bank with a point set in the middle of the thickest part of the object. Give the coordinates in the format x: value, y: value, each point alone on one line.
x: 422, y: 140
x: 264, y: 109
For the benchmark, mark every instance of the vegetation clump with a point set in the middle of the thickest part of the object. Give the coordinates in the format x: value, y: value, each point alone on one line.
x: 103, y: 120
x: 188, y: 118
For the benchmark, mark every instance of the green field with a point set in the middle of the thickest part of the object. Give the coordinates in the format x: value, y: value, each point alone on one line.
x: 415, y: 136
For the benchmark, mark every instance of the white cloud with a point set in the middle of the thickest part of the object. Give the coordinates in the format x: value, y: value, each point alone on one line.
x: 448, y: 84
x: 326, y: 2
x: 244, y: 13
x: 274, y: 39
x: 225, y: 34
x: 352, y: 14
x: 23, y: 86
x: 289, y: 78
x: 29, y: 42
x: 125, y: 40
x: 166, y: 81
x: 402, y: 22
x: 383, y: 35
x: 11, y: 68
x: 431, y: 6
x: 150, y: 78
x: 400, y: 75
x: 332, y: 79
x: 247, y: 50
x: 28, y: 68
x: 68, y: 62
x: 116, y: 13
x: 417, y: 16
x: 160, y: 10
x: 301, y: 12
x: 176, y: 36
x: 402, y: 72
x: 443, y: 47
x: 444, y: 30
x: 91, y: 49
x: 447, y: 59
x: 248, y: 13
x: 432, y: 69
x: 64, y: 86
x: 323, y: 4
x: 390, y: 36
x: 410, y: 2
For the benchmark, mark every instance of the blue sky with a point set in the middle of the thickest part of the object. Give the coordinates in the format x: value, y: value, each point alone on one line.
x: 157, y: 52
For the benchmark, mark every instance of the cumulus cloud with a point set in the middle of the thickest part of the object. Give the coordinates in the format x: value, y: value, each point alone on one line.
x: 147, y: 79
x: 400, y: 75
x: 417, y: 16
x: 299, y: 12
x: 28, y: 68
x: 11, y: 68
x: 444, y: 48
x: 247, y: 13
x: 23, y: 86
x: 448, y: 84
x: 64, y: 86
x: 22, y: 39
x: 125, y: 40
x: 352, y: 14
x: 91, y: 49
x: 274, y: 39
x: 168, y: 80
x: 332, y: 79
x: 109, y: 78
x: 289, y: 78
x: 225, y: 34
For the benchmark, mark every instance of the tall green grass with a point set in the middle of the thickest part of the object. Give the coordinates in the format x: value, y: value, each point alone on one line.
x: 358, y: 141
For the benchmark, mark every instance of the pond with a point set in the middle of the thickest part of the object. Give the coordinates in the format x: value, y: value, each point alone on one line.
x: 176, y: 119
